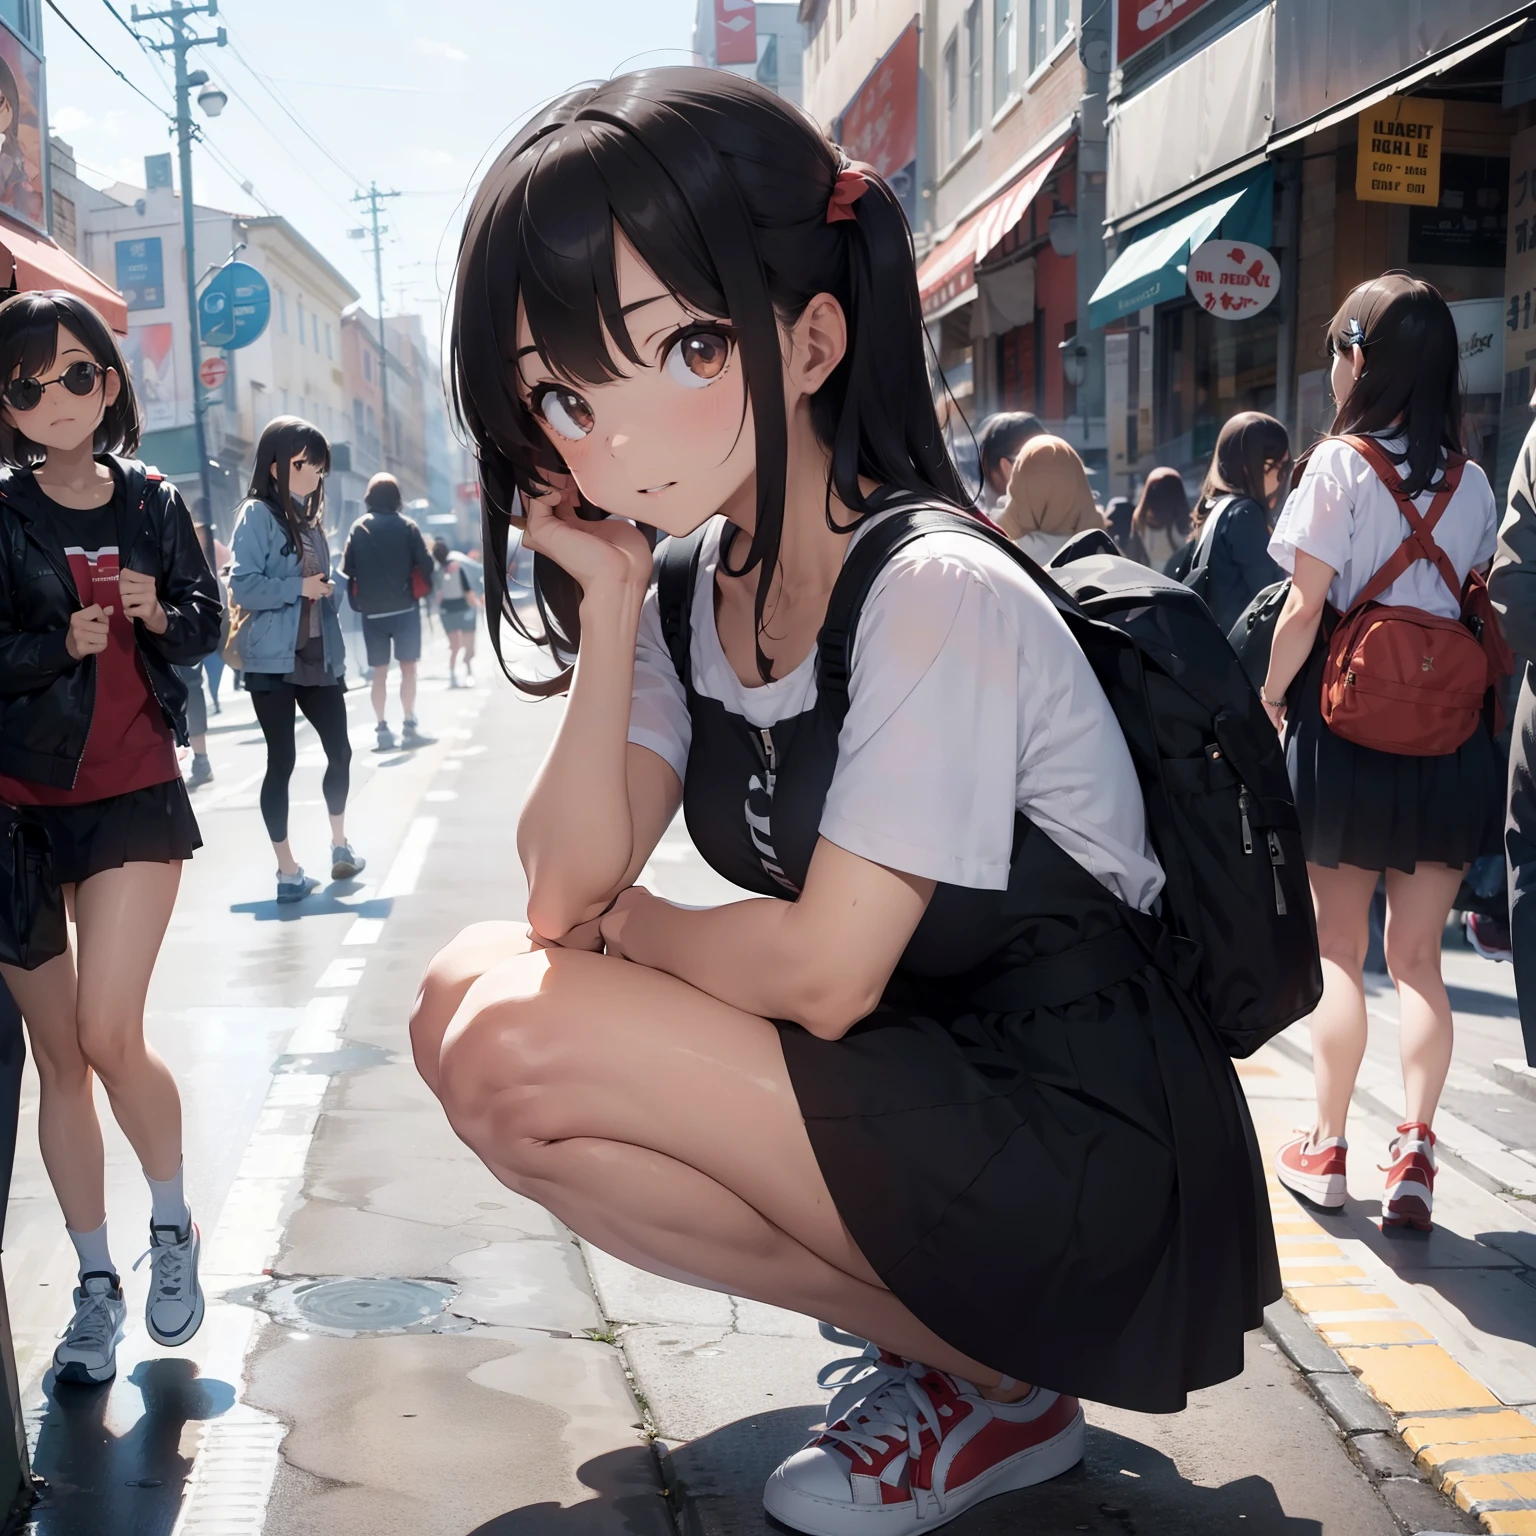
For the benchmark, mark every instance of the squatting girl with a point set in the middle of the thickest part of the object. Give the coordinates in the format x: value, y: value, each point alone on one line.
x: 104, y: 593
x: 677, y: 303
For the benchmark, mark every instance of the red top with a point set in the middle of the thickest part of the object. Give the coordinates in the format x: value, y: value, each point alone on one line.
x: 129, y: 746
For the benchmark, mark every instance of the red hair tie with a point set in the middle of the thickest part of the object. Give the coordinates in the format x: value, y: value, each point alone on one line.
x: 851, y: 183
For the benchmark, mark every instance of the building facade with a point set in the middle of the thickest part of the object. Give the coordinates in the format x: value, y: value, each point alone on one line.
x: 761, y: 39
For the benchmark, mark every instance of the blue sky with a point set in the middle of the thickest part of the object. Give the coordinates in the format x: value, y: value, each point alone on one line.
x: 412, y: 95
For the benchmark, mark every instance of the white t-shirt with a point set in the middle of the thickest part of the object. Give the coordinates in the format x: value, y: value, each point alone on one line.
x: 1343, y: 515
x: 969, y: 698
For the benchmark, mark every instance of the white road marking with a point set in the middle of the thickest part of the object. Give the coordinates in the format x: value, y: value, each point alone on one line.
x: 365, y: 930
x: 342, y: 973
x: 439, y: 796
x: 409, y: 862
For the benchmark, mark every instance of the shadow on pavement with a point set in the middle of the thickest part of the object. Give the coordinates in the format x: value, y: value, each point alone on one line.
x: 129, y: 1484
x: 326, y: 902
x: 1122, y: 1488
x: 1493, y: 1005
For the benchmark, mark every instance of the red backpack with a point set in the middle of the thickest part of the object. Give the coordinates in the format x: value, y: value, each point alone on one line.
x: 1399, y: 679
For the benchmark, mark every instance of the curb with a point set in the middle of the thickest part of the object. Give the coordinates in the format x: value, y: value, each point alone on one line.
x: 1515, y: 1075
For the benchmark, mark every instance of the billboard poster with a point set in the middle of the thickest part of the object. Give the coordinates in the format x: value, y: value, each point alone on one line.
x: 1519, y: 340
x: 150, y: 352
x: 21, y: 132
x: 735, y: 32
x: 141, y: 273
x: 1139, y: 22
x: 879, y: 125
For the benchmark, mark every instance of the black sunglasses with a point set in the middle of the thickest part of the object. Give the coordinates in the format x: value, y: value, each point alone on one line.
x: 79, y: 379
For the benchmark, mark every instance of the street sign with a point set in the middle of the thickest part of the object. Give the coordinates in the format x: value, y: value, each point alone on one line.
x: 141, y: 273
x: 233, y: 310
x: 1231, y: 279
x: 213, y: 372
x: 1398, y: 159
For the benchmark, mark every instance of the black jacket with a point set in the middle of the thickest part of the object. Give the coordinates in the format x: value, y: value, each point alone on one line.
x: 383, y: 549
x: 1239, y: 559
x: 46, y: 697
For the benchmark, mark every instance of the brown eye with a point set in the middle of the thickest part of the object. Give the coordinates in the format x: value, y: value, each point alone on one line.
x: 697, y: 358
x: 565, y: 412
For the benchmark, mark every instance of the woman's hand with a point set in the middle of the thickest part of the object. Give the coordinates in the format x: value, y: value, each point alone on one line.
x: 1276, y: 713
x: 87, y: 632
x: 141, y: 601
x: 583, y: 936
x: 614, y: 921
x: 316, y: 588
x: 597, y: 555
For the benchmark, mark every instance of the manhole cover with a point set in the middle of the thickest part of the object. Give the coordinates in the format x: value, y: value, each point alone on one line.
x: 350, y: 1306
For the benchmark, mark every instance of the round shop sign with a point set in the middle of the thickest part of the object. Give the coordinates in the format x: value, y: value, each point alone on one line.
x: 232, y: 311
x: 213, y: 371
x: 1232, y: 279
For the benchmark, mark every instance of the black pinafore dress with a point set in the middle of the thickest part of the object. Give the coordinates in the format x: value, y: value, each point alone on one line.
x: 1035, y: 1140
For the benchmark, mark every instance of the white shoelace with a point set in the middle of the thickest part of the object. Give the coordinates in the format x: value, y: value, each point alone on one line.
x: 170, y: 1263
x: 881, y: 1402
x: 92, y: 1326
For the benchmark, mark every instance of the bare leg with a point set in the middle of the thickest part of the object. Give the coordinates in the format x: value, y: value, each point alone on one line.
x: 121, y: 917
x: 286, y: 862
x: 563, y: 1071
x: 408, y: 689
x: 68, y: 1132
x: 380, y: 690
x: 1417, y: 907
x: 1342, y: 897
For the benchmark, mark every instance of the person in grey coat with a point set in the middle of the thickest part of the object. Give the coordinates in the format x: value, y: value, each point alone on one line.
x: 1513, y: 587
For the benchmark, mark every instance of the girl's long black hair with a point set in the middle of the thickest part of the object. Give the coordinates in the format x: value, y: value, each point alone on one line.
x: 284, y: 439
x: 722, y: 189
x: 1411, y: 384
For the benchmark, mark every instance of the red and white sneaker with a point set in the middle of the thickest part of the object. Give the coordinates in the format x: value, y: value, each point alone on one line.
x: 1314, y: 1169
x: 1410, y: 1194
x: 909, y: 1448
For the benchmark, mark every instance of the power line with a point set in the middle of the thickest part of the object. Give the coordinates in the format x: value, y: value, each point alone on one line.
x: 122, y: 22
x: 105, y: 60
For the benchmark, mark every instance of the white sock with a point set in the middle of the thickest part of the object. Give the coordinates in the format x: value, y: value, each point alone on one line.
x: 91, y: 1248
x: 168, y: 1202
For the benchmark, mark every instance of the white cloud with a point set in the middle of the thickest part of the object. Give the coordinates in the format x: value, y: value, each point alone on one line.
x: 440, y: 50
x: 433, y: 159
x: 70, y: 120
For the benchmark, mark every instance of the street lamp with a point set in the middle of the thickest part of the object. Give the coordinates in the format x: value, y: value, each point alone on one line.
x: 212, y: 100
x: 1074, y: 362
x: 1063, y: 228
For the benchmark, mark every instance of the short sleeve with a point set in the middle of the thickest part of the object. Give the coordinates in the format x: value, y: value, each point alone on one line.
x: 928, y: 755
x: 1318, y: 514
x: 658, y: 709
x: 1488, y: 538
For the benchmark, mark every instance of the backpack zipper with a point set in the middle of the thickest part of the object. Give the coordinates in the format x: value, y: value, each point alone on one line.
x: 1244, y: 805
x: 1276, y: 859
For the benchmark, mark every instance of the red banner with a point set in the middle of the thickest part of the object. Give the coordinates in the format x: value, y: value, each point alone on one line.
x: 735, y: 32
x: 879, y: 126
x: 1140, y: 22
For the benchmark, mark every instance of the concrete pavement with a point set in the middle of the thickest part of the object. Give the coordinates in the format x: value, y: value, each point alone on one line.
x: 398, y: 1344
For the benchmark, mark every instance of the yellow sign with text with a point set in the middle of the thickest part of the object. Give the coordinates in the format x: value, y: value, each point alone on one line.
x: 1398, y: 159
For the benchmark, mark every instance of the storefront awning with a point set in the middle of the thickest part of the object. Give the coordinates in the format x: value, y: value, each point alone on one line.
x: 30, y: 261
x: 949, y: 270
x: 1151, y: 270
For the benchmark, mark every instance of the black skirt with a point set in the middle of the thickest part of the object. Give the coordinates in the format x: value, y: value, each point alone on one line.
x: 1380, y: 810
x: 145, y: 826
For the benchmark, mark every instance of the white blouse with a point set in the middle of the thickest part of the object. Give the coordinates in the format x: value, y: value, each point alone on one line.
x: 1343, y: 515
x: 968, y: 698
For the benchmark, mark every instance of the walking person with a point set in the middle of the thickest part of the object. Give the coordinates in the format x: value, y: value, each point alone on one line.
x: 802, y: 1098
x: 456, y: 604
x: 197, y: 727
x: 1049, y: 500
x: 104, y: 595
x: 290, y: 642
x: 1002, y: 436
x: 1227, y: 559
x: 389, y: 571
x: 1419, y: 817
x: 1512, y: 586
x: 1160, y: 523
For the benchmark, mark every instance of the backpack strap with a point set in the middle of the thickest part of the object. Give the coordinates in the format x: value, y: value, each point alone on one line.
x: 677, y: 573
x: 1420, y: 543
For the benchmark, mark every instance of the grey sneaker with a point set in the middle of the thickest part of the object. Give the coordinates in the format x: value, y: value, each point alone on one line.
x: 202, y: 771
x: 411, y: 735
x: 345, y: 863
x: 295, y: 887
x: 88, y: 1353
x: 384, y: 738
x: 174, y: 1310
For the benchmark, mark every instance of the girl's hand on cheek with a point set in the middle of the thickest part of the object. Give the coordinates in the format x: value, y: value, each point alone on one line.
x: 599, y: 555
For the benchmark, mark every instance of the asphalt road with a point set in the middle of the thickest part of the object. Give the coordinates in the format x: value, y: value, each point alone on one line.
x: 504, y: 1407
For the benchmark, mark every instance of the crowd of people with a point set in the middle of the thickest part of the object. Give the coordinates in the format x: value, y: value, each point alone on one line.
x: 952, y: 1079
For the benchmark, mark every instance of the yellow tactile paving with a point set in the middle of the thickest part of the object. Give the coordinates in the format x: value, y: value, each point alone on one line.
x: 1306, y: 1250
x: 1382, y: 1332
x: 1255, y: 1069
x: 1291, y: 1227
x: 1492, y: 1487
x: 1511, y: 1522
x: 1450, y: 1437
x: 1418, y: 1380
x: 1319, y: 1274
x: 1436, y: 1456
x: 1344, y: 1298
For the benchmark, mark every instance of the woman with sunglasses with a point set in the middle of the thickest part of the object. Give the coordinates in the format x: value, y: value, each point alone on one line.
x: 104, y: 593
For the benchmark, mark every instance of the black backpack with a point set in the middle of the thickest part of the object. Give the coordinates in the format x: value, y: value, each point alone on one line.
x: 1219, y: 810
x: 1192, y: 564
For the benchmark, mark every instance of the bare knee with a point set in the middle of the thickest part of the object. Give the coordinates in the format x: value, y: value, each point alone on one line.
x: 1412, y: 955
x: 1344, y: 949
x: 110, y: 1042
x: 453, y: 970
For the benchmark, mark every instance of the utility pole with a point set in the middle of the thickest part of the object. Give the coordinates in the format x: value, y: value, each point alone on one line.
x: 182, y: 41
x: 371, y: 199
